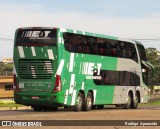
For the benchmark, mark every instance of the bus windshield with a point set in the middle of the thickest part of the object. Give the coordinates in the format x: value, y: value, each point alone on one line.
x: 36, y: 37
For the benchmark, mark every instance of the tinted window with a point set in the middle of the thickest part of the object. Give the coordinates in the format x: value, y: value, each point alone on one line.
x: 142, y: 52
x: 31, y: 37
x: 99, y: 46
x: 127, y: 50
x: 120, y: 78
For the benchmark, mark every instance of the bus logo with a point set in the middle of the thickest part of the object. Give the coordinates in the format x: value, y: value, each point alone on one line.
x: 88, y: 68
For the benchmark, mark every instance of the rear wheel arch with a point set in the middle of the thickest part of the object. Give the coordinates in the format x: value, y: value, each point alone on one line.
x: 131, y: 93
x: 91, y: 91
x: 82, y: 92
x: 138, y: 94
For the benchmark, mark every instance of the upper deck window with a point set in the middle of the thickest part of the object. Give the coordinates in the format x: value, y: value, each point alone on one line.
x: 36, y: 37
x: 99, y: 46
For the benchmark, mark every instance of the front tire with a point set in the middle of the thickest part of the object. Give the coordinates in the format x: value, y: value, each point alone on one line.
x: 134, y: 104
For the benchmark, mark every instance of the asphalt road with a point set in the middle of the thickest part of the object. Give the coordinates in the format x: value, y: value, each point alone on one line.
x: 108, y: 113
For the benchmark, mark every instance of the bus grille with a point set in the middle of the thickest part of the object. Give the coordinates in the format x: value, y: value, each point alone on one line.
x: 35, y: 69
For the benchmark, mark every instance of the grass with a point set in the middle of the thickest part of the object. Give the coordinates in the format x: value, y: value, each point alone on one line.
x: 157, y: 103
x: 9, y: 104
x: 153, y: 101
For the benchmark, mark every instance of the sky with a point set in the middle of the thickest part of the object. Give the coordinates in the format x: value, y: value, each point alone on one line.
x: 135, y: 19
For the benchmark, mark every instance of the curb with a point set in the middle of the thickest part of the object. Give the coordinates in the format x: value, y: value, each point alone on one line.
x: 15, y: 108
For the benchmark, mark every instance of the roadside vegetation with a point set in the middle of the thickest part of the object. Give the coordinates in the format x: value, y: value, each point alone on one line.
x: 153, y: 56
x: 10, y: 105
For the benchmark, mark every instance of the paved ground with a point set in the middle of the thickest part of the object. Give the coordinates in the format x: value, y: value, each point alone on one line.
x: 142, y: 113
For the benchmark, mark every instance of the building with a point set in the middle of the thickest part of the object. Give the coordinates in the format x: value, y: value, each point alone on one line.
x: 6, y: 87
x: 7, y: 60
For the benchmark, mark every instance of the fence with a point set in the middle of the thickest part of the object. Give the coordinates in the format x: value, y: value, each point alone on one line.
x: 6, y: 73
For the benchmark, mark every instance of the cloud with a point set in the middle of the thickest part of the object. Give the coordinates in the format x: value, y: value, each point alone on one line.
x: 34, y: 15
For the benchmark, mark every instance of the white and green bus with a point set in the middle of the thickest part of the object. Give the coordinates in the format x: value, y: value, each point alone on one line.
x: 56, y: 67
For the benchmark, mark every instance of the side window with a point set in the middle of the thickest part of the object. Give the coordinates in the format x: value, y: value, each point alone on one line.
x: 120, y: 49
x: 90, y: 45
x: 102, y: 47
x: 113, y: 49
x: 99, y: 46
x: 119, y: 78
x: 132, y: 52
x: 127, y: 50
x: 67, y: 41
x: 80, y: 44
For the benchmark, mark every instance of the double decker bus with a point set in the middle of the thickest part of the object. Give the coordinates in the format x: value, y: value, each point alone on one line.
x: 56, y: 67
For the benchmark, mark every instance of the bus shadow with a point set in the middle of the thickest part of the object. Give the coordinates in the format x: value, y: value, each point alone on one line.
x: 71, y: 109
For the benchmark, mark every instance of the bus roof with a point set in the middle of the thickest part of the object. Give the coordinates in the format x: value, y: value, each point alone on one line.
x: 87, y: 33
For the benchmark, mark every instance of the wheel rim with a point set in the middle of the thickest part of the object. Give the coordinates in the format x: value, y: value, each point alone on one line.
x: 129, y: 101
x: 136, y: 100
x: 89, y: 101
x: 79, y: 102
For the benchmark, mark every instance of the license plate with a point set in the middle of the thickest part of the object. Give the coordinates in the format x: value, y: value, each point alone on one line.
x: 35, y: 97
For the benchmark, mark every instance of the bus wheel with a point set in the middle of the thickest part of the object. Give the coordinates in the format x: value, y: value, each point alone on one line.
x: 129, y: 100
x: 100, y: 106
x: 79, y: 102
x: 88, y: 102
x: 134, y: 104
x: 37, y: 108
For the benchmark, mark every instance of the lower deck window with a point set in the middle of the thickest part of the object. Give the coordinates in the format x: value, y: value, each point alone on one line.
x: 119, y: 78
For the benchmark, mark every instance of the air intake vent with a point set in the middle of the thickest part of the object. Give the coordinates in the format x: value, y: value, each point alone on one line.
x: 35, y: 69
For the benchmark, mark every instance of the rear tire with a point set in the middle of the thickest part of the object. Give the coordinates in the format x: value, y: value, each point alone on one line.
x: 79, y: 102
x: 88, y: 102
x: 134, y: 104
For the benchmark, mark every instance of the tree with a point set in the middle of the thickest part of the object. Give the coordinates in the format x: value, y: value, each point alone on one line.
x: 1, y: 68
x: 6, y: 69
x: 153, y: 56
